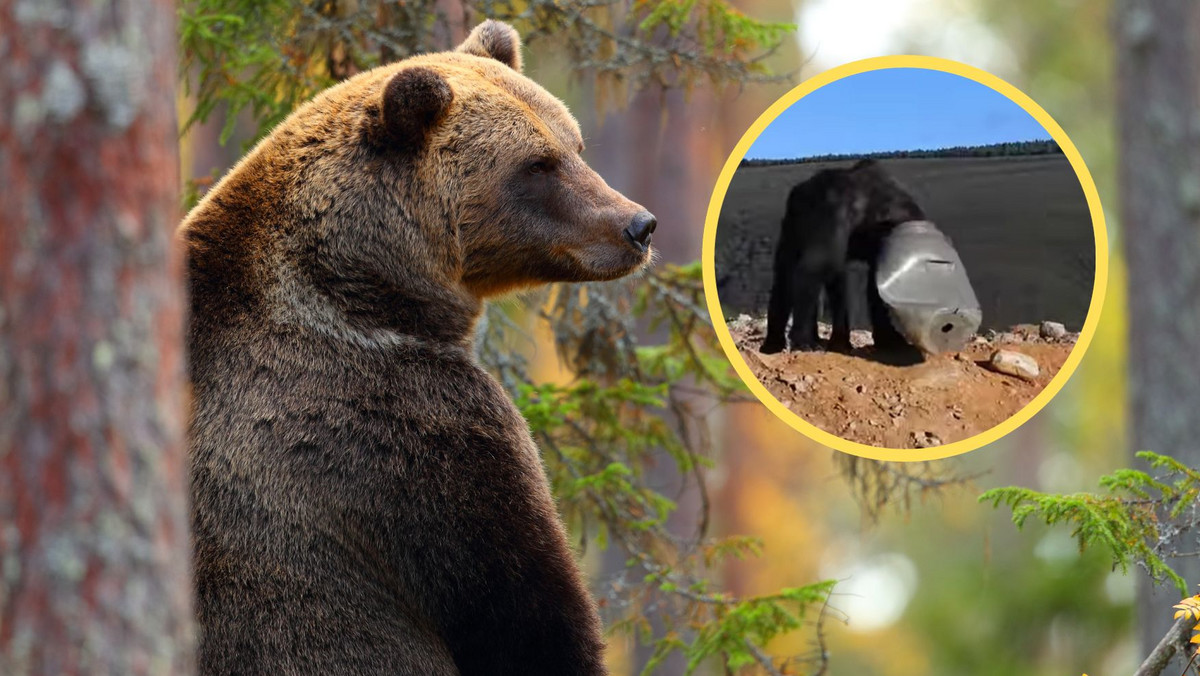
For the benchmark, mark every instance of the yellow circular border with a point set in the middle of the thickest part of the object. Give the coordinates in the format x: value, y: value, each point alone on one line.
x: 1098, y: 289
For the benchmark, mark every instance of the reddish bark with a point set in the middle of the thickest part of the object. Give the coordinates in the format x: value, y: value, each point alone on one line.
x: 93, y: 524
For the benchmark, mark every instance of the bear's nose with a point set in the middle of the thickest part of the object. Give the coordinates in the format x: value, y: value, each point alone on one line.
x: 641, y: 228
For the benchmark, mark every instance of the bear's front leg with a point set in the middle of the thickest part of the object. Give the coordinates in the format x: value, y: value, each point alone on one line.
x: 475, y: 542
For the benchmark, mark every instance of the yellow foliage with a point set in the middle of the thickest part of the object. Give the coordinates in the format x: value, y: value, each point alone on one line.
x: 1190, y: 607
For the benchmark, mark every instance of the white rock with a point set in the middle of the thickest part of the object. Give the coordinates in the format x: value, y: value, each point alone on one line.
x: 1053, y: 330
x: 925, y: 440
x: 798, y: 384
x: 1014, y: 364
x: 742, y: 322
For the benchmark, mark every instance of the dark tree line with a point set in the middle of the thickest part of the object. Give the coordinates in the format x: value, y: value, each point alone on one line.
x: 1007, y: 149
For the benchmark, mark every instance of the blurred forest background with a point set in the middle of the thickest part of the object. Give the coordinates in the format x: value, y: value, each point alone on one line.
x: 928, y: 579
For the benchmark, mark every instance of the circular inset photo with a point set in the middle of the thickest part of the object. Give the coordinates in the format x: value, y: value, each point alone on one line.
x: 905, y: 258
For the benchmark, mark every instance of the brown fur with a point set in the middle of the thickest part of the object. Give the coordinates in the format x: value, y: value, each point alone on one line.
x: 366, y: 499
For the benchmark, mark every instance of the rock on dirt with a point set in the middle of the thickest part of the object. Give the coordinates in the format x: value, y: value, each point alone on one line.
x: 747, y: 324
x: 1014, y: 363
x: 924, y: 440
x: 1053, y: 331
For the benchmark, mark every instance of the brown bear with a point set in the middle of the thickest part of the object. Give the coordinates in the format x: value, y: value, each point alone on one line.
x: 365, y: 498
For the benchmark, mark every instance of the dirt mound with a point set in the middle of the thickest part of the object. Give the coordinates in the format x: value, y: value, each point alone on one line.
x: 942, y: 399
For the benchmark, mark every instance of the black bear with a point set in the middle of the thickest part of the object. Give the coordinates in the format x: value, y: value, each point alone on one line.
x: 835, y: 217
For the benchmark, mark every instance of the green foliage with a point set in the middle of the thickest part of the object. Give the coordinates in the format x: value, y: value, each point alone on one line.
x: 736, y: 628
x: 719, y: 27
x: 265, y: 56
x: 1140, y: 519
x: 231, y: 55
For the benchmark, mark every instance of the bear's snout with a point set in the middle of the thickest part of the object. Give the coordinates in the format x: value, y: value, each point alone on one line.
x: 640, y: 229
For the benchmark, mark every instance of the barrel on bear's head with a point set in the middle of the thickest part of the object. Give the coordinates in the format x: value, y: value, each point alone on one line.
x: 922, y: 280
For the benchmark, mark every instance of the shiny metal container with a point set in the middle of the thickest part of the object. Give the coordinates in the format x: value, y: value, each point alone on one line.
x: 925, y: 286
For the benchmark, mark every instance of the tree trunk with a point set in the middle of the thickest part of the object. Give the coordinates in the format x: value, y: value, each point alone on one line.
x: 1158, y: 82
x: 94, y: 553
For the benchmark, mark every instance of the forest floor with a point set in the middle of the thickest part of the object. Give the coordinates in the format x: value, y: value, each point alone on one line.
x: 889, y: 401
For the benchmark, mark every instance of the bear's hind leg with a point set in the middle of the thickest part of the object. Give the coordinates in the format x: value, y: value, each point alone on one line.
x: 836, y: 289
x: 779, y: 307
x: 806, y: 304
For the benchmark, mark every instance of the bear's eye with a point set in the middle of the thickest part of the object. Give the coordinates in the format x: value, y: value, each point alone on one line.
x: 542, y: 166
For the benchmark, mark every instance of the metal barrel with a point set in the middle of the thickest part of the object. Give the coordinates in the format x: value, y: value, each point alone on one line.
x: 925, y: 286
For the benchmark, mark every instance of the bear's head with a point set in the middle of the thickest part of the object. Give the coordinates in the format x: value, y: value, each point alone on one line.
x: 412, y: 191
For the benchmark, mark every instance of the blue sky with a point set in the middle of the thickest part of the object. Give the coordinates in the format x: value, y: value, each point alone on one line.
x: 895, y: 109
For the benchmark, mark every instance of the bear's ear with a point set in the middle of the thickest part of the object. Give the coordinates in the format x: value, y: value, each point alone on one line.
x: 413, y: 102
x: 494, y: 40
